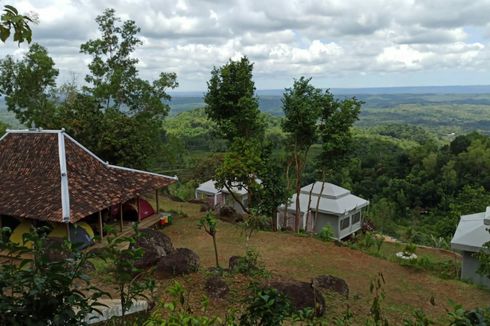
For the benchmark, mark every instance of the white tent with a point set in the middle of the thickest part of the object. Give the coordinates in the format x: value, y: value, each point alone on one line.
x: 470, y: 236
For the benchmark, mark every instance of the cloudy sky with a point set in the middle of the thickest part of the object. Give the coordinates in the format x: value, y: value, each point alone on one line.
x: 340, y: 43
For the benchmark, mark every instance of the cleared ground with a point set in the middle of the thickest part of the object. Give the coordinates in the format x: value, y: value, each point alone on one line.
x: 288, y: 255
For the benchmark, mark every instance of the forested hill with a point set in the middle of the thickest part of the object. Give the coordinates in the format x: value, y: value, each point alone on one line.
x: 457, y: 112
x: 446, y: 113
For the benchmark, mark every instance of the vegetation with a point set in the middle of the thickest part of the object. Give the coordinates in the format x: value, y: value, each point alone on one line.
x: 209, y: 223
x: 37, y: 282
x: 10, y: 20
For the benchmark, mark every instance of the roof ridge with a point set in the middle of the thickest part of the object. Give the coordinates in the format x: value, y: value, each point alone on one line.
x: 65, y: 192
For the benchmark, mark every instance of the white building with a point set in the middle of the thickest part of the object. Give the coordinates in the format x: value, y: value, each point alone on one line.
x: 220, y: 197
x: 337, y: 207
x: 469, y: 238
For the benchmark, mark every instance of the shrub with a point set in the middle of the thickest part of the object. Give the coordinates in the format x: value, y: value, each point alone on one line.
x: 409, y: 249
x: 40, y: 291
x: 326, y: 233
x: 265, y: 307
x: 250, y: 264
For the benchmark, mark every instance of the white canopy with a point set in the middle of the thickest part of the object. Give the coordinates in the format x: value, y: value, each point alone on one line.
x: 472, y: 232
x: 333, y: 199
x: 209, y: 187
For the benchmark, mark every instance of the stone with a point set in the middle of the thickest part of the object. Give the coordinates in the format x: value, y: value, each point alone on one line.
x: 179, y: 262
x: 331, y: 283
x: 155, y: 245
x: 233, y: 263
x: 301, y: 295
x: 216, y: 287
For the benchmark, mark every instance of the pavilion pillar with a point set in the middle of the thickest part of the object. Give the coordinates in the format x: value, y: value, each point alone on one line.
x: 138, y: 208
x: 121, y: 216
x: 101, y: 226
x: 68, y: 235
x: 157, y: 201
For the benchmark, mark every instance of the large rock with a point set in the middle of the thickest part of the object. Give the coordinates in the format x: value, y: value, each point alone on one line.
x: 331, y: 283
x: 234, y: 263
x: 181, y: 261
x: 301, y: 295
x: 155, y: 245
x: 216, y: 287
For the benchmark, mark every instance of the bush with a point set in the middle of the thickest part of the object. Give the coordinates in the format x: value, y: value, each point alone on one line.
x: 265, y: 307
x: 250, y: 264
x: 326, y: 233
x: 39, y: 291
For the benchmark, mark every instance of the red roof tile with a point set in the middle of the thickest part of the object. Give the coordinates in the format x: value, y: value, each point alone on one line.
x: 30, y: 178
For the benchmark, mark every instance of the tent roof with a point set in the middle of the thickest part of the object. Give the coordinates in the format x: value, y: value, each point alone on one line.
x: 48, y: 175
x: 471, y: 232
x: 333, y: 200
x: 210, y: 188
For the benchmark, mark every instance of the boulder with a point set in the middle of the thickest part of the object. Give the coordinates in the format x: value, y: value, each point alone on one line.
x: 301, y: 295
x: 331, y: 283
x: 155, y: 245
x: 179, y: 262
x: 216, y: 287
x: 233, y: 263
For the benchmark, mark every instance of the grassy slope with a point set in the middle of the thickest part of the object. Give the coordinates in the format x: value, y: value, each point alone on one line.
x: 302, y: 258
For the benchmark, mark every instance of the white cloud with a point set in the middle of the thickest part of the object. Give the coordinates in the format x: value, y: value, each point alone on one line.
x: 285, y: 39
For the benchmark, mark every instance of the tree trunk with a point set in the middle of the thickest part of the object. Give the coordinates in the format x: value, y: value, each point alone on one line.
x: 319, y: 197
x: 309, y: 206
x: 297, y: 217
x: 288, y: 185
x: 236, y: 199
x: 215, y: 251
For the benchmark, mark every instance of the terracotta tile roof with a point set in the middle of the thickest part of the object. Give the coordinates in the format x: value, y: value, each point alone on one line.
x: 31, y: 179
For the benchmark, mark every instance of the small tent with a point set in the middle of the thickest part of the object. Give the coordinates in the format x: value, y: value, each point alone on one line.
x: 130, y: 210
x: 81, y: 233
x: 17, y: 235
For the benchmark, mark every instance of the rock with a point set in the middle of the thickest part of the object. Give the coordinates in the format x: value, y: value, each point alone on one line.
x: 155, y: 245
x: 216, y: 287
x: 301, y: 295
x: 181, y: 261
x: 229, y: 214
x: 331, y: 283
x: 233, y: 263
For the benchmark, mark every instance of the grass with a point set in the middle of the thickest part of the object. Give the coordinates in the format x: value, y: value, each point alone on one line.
x: 287, y: 255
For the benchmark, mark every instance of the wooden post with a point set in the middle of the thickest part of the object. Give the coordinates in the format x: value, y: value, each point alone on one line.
x: 68, y: 236
x: 121, y: 216
x: 101, y: 226
x: 156, y: 201
x: 138, y: 208
x: 1, y: 222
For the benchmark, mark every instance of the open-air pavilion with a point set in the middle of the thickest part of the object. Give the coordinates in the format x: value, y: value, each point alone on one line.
x: 47, y: 177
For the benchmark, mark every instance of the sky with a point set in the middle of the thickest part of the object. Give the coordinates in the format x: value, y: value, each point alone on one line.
x: 339, y: 43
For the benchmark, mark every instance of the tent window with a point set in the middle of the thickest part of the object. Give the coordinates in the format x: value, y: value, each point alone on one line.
x: 344, y: 223
x: 356, y: 218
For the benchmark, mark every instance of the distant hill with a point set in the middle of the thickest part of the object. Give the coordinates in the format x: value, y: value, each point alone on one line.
x: 445, y: 108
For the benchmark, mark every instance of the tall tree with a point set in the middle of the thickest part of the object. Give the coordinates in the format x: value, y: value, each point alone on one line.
x: 29, y: 85
x: 233, y: 106
x: 302, y: 106
x: 336, y: 120
x: 136, y: 106
x: 231, y: 101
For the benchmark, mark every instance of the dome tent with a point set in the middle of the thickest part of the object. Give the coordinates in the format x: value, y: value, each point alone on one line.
x: 81, y: 234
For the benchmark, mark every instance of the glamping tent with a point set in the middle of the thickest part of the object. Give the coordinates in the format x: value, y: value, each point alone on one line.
x: 81, y: 234
x: 471, y: 233
x: 337, y: 207
x: 219, y: 197
x: 48, y: 176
